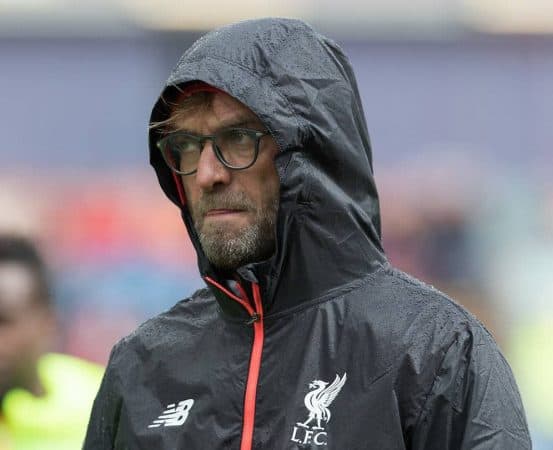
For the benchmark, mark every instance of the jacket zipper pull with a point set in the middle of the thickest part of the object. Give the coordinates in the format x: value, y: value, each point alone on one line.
x: 253, y: 318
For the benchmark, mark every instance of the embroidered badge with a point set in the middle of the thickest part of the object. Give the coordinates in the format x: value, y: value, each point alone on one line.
x: 317, y: 401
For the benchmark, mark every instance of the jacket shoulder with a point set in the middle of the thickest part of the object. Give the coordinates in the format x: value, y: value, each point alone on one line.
x: 413, y: 299
x: 428, y: 324
x: 135, y: 355
x: 450, y: 372
x: 191, y: 312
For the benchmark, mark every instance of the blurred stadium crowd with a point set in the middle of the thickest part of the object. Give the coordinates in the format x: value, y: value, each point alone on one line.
x: 463, y: 156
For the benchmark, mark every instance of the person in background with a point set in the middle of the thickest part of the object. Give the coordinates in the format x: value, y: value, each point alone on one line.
x: 45, y: 397
x: 305, y: 336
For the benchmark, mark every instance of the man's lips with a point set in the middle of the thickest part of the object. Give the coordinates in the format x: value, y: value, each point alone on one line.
x: 223, y: 211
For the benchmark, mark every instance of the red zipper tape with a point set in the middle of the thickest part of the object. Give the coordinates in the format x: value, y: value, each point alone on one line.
x: 253, y: 373
x: 255, y: 358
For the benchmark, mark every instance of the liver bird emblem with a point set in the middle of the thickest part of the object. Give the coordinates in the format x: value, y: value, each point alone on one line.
x: 319, y: 399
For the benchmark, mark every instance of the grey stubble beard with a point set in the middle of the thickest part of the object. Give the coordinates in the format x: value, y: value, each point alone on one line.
x: 229, y: 249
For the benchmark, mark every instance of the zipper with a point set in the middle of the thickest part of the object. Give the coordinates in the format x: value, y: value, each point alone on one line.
x: 253, y: 372
x: 256, y: 319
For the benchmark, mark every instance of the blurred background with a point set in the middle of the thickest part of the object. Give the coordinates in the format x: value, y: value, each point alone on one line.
x: 458, y: 96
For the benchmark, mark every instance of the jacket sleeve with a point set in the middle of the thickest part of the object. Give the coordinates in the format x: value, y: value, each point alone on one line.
x: 104, y: 419
x: 474, y: 402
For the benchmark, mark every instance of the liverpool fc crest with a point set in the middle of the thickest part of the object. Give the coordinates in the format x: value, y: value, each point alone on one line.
x: 317, y: 401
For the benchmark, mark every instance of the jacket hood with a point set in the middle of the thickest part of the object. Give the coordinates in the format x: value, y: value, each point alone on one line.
x: 302, y: 87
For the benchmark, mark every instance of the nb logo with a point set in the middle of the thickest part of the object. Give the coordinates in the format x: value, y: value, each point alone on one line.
x: 174, y: 415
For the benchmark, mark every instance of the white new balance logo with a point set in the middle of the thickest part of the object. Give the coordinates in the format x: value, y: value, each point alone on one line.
x: 174, y: 415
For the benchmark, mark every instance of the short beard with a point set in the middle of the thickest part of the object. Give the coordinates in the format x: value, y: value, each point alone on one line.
x: 228, y: 250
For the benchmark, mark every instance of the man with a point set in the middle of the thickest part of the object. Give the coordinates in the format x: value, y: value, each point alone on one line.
x: 45, y: 398
x: 305, y: 337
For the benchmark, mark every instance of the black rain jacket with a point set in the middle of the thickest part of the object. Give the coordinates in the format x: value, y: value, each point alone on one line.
x: 328, y: 346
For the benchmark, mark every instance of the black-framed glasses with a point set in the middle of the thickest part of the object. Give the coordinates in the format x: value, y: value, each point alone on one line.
x: 236, y: 148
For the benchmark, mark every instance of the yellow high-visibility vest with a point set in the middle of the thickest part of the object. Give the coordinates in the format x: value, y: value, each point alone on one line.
x: 58, y: 419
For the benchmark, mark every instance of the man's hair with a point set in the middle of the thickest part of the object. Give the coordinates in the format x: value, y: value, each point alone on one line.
x: 21, y: 251
x: 180, y: 108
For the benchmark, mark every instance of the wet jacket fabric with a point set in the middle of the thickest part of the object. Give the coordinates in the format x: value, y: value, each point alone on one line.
x: 324, y: 345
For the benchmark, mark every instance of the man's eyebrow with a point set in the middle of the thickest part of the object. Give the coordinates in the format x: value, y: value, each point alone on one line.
x: 242, y: 123
x: 237, y: 122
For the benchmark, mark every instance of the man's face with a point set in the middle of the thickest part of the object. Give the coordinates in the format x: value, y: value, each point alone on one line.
x: 234, y: 211
x: 27, y: 328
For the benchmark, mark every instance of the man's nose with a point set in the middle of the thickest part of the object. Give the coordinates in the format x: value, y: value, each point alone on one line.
x: 211, y: 172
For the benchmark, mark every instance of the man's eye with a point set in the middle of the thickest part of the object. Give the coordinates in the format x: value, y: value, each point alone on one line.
x: 237, y: 137
x: 186, y: 145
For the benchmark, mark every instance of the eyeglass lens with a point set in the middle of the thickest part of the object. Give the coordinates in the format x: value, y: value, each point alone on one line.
x: 235, y: 147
